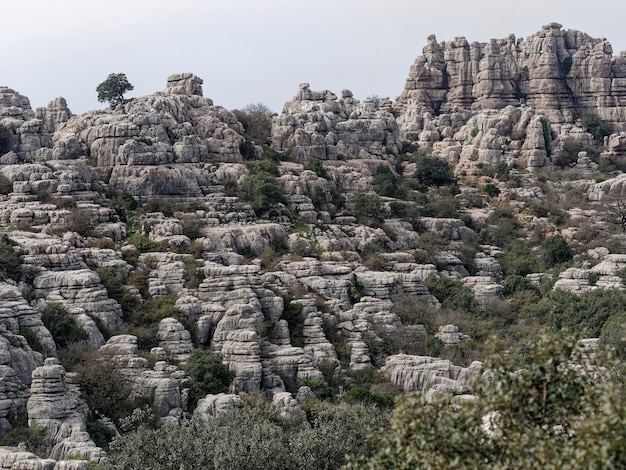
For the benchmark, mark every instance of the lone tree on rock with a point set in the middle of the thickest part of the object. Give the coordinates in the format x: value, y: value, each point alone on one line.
x: 113, y: 89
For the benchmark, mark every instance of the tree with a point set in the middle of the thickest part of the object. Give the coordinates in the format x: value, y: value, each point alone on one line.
x: 113, y: 89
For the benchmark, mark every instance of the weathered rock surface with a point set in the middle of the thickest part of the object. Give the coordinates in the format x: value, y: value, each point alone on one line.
x: 426, y: 373
x: 318, y: 124
x: 555, y: 70
x: 56, y: 405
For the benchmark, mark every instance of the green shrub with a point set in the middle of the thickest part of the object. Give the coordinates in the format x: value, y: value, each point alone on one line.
x: 368, y: 208
x: 315, y: 164
x: 452, y: 293
x: 207, y: 374
x: 10, y: 262
x: 585, y: 312
x: 567, y: 64
x: 433, y: 171
x: 474, y: 132
x: 261, y: 190
x: 515, y: 283
x: 6, y: 185
x: 525, y: 409
x: 491, y: 190
x: 385, y: 182
x: 292, y: 313
x: 6, y: 140
x: 555, y: 250
x: 597, y: 127
x: 613, y: 334
x: 62, y: 325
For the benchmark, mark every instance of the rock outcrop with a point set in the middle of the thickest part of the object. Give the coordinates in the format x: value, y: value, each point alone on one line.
x: 55, y: 404
x: 318, y: 124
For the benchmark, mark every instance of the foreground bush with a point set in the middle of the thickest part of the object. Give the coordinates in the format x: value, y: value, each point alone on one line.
x: 553, y: 414
x: 260, y: 437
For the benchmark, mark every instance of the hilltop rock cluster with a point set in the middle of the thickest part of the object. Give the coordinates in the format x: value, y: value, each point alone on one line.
x: 160, y: 227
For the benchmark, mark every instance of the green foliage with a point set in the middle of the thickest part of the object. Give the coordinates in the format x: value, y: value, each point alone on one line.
x: 193, y: 273
x: 113, y: 280
x: 474, y: 132
x: 258, y: 437
x: 10, y: 262
x: 385, y: 182
x: 555, y: 250
x: 257, y: 123
x: 315, y: 165
x: 613, y: 334
x: 585, y: 312
x: 452, y: 293
x: 292, y: 313
x: 106, y: 391
x: 491, y: 190
x: 515, y: 283
x: 433, y: 171
x: 368, y: 208
x: 113, y: 88
x: 32, y: 340
x: 32, y: 437
x: 144, y: 244
x: 519, y: 259
x: 547, y: 415
x: 261, y: 189
x: 596, y: 126
x: 61, y: 325
x: 207, y: 374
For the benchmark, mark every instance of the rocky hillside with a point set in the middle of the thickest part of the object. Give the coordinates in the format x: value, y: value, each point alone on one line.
x: 336, y: 246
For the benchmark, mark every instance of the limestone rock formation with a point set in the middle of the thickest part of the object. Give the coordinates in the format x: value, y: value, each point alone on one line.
x: 424, y: 373
x: 55, y: 404
x: 555, y: 70
x: 158, y: 145
x: 318, y: 124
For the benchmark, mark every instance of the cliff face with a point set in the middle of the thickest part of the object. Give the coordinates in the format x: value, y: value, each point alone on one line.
x: 563, y: 73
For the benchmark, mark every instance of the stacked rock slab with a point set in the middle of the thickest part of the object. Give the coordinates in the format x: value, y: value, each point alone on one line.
x: 561, y: 72
x: 56, y: 406
x: 158, y: 145
x: 317, y: 124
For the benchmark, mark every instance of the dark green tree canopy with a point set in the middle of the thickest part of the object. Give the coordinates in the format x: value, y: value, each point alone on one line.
x: 113, y: 88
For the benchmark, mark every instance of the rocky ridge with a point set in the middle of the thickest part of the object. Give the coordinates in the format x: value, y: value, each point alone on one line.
x: 114, y: 211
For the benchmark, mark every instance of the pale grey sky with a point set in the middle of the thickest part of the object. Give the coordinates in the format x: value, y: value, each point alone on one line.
x: 250, y: 51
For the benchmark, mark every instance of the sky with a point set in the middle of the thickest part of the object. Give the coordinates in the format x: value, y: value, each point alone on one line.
x: 258, y: 51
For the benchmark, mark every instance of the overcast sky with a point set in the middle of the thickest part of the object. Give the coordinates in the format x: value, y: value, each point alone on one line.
x: 250, y: 51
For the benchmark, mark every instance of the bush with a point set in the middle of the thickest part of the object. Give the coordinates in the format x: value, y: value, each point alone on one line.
x: 548, y: 415
x: 368, y: 208
x: 452, y: 293
x: 385, y: 182
x: 585, y: 312
x: 433, y: 171
x: 62, y: 325
x: 6, y: 140
x: 515, y: 283
x: 555, y: 250
x: 261, y: 190
x: 597, y: 127
x: 292, y: 313
x: 207, y: 375
x: 10, y: 262
x: 259, y: 437
x: 6, y: 185
x: 491, y: 190
x: 315, y: 165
